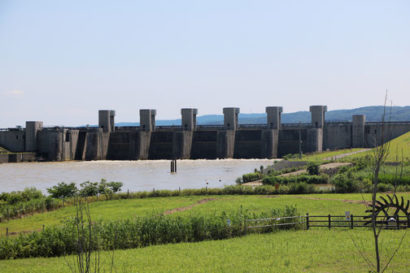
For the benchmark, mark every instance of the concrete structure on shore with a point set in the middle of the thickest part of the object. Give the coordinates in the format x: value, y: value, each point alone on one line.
x: 192, y: 141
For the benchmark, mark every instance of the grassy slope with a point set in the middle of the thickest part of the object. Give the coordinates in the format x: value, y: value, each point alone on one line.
x: 287, y: 251
x: 399, y: 147
x: 120, y: 209
x: 321, y: 156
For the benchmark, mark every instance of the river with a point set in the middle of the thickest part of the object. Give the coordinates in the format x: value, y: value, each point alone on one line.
x: 143, y: 175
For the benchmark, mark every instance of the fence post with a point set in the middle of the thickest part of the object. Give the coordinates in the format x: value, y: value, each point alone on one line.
x: 408, y: 221
x: 351, y: 221
x: 398, y: 221
x: 330, y: 221
x: 7, y: 232
x: 43, y: 228
x: 307, y: 221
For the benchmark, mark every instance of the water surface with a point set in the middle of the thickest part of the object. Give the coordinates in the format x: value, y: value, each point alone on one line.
x: 136, y: 175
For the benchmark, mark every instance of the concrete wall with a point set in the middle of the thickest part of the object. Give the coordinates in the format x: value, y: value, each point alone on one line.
x: 375, y: 131
x: 204, y: 145
x: 231, y: 115
x: 337, y: 136
x: 225, y: 144
x: 192, y: 141
x: 97, y: 145
x: 123, y: 146
x: 274, y: 116
x: 81, y: 145
x: 32, y: 129
x: 289, y: 141
x: 106, y: 120
x: 188, y: 120
x: 161, y: 146
x: 144, y: 142
x: 318, y: 115
x: 314, y: 140
x: 13, y: 140
x: 358, y: 134
x: 147, y: 119
x: 182, y: 145
x: 270, y: 143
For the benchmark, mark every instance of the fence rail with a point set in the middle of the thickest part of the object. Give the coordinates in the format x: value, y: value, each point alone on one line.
x: 331, y: 221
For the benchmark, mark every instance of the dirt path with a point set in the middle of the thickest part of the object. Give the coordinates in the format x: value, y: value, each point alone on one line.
x: 200, y: 202
x: 253, y: 183
x: 346, y: 154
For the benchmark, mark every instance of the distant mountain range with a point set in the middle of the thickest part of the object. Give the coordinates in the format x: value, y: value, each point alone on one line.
x: 373, y: 113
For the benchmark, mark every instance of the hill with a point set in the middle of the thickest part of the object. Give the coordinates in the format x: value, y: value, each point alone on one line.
x: 373, y: 113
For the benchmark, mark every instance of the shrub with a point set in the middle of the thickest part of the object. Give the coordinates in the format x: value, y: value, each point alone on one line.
x: 63, y: 190
x: 313, y: 168
x: 309, y: 179
x: 389, y: 178
x: 299, y: 188
x: 238, y: 180
x: 344, y: 184
x: 21, y: 196
x: 381, y: 187
x: 249, y: 177
x: 115, y: 186
x: 89, y: 189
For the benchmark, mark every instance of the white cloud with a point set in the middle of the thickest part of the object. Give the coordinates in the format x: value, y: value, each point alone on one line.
x: 14, y: 93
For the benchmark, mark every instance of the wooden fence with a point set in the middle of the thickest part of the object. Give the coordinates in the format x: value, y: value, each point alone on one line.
x: 329, y: 221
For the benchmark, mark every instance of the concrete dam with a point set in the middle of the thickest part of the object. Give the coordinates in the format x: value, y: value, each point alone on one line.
x: 192, y: 141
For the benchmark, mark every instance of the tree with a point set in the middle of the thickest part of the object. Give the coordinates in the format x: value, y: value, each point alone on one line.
x: 63, y: 190
x: 380, y: 153
x: 89, y: 189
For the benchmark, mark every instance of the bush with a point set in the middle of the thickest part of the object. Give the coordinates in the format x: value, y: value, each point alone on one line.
x: 249, y: 177
x: 313, y: 168
x: 389, y: 178
x: 63, y: 190
x: 299, y: 188
x: 344, y: 184
x: 381, y: 187
x: 21, y: 196
x: 89, y: 189
x: 309, y: 179
x: 403, y: 188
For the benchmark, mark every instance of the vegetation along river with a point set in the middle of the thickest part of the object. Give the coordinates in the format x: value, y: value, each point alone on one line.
x: 141, y: 175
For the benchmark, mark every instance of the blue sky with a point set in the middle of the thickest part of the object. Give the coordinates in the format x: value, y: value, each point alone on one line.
x: 61, y: 61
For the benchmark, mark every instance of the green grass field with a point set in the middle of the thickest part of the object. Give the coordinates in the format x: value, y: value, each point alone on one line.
x: 3, y: 150
x: 399, y: 148
x: 323, y: 204
x: 314, y: 250
x: 285, y: 251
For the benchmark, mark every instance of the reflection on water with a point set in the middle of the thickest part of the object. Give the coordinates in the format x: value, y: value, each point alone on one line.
x: 136, y: 175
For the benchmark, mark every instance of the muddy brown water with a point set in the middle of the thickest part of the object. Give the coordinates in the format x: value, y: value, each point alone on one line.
x: 136, y: 175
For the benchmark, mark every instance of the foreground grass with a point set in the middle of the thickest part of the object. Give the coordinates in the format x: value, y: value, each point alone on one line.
x: 100, y: 210
x: 322, y: 204
x: 318, y: 250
